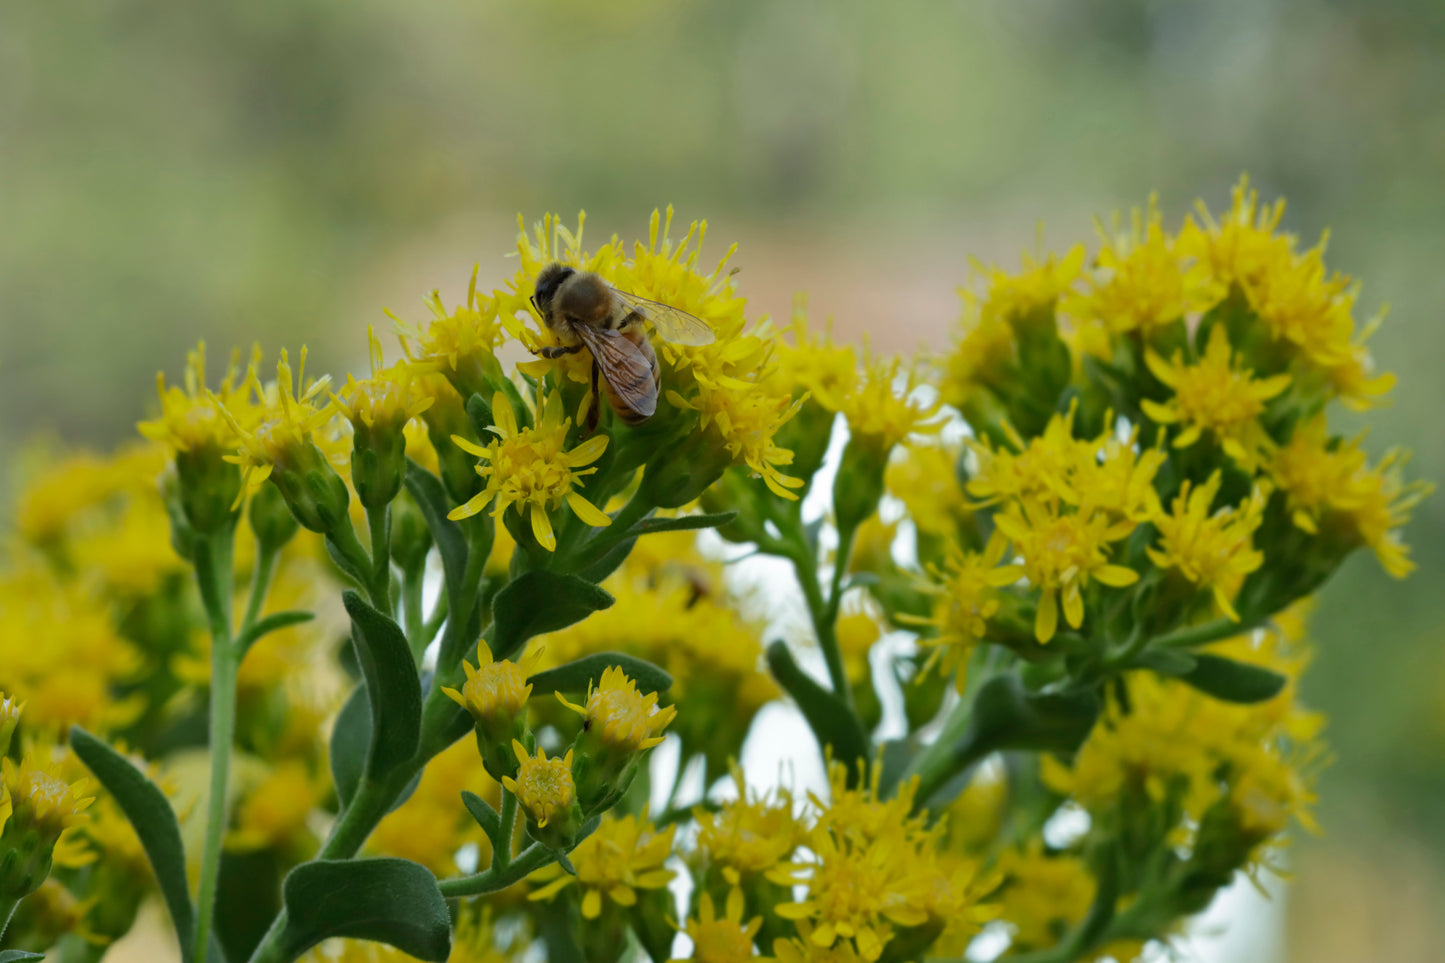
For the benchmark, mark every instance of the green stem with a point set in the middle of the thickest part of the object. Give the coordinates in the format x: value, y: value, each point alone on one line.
x: 260, y: 585
x: 412, y: 582
x: 531, y: 859
x: 502, y: 848
x: 379, y: 520
x: 1204, y: 632
x: 434, y: 621
x: 824, y: 616
x: 213, y: 573
x: 604, y: 540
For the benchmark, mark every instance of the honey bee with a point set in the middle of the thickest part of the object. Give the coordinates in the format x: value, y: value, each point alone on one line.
x: 584, y: 311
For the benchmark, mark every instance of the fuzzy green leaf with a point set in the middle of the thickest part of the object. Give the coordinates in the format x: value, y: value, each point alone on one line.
x: 1233, y: 681
x: 19, y: 956
x: 575, y: 676
x: 393, y: 901
x: 682, y: 523
x: 426, y: 489
x: 832, y: 722
x: 271, y: 623
x: 392, y: 686
x: 155, y: 825
x: 539, y: 602
x: 484, y: 814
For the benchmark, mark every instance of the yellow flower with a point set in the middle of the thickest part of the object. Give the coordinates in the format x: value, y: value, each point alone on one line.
x: 1239, y: 248
x: 37, y: 800
x: 927, y: 483
x: 1307, y: 308
x: 722, y: 939
x: 543, y: 786
x: 282, y: 434
x: 1041, y: 468
x: 494, y: 690
x: 529, y: 467
x: 744, y: 421
x: 384, y: 402
x: 1214, y: 551
x: 750, y: 835
x: 621, y: 717
x: 458, y: 344
x: 1043, y: 894
x: 623, y: 856
x: 1062, y: 552
x: 965, y: 597
x: 1139, y: 282
x: 814, y: 364
x: 884, y: 409
x: 1215, y: 396
x: 193, y: 418
x: 1037, y: 287
x: 276, y: 810
x: 1325, y: 483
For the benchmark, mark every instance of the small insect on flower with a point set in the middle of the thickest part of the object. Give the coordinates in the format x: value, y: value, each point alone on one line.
x: 584, y: 311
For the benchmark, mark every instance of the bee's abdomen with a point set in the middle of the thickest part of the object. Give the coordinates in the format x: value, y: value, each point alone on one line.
x: 632, y: 412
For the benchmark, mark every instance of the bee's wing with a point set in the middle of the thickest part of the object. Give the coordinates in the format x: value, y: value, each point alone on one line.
x: 625, y: 367
x: 673, y: 324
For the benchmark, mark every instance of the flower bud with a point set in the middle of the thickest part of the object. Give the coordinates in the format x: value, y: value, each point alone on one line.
x: 271, y: 520
x: 547, y: 794
x: 621, y: 723
x: 410, y: 537
x: 315, y: 493
x: 859, y: 482
x: 10, y: 709
x: 496, y: 694
x: 207, y: 485
x: 42, y: 806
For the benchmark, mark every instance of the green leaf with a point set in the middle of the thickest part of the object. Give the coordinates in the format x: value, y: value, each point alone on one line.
x: 483, y: 813
x: 539, y: 602
x: 1170, y: 662
x: 608, y: 562
x: 1007, y: 715
x: 431, y: 498
x: 155, y: 825
x: 19, y: 956
x: 682, y: 523
x: 271, y: 623
x: 1233, y: 681
x: 350, y: 738
x: 832, y: 722
x: 393, y: 901
x: 353, y: 573
x: 392, y: 686
x: 575, y: 676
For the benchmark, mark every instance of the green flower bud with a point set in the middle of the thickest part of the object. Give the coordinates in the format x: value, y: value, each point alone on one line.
x: 271, y: 520
x: 316, y: 495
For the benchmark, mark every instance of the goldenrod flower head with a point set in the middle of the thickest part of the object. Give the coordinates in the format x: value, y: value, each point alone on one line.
x: 926, y: 481
x: 621, y: 717
x: 722, y: 939
x: 1322, y: 479
x: 385, y: 401
x: 1241, y: 246
x: 1117, y: 476
x: 543, y: 786
x: 281, y: 438
x: 750, y: 835
x: 531, y: 468
x: 814, y: 364
x: 965, y: 596
x: 275, y: 811
x: 1015, y: 298
x: 1139, y: 281
x: 1269, y: 791
x: 1215, y: 395
x: 1213, y: 550
x: 860, y: 814
x: 458, y: 344
x: 744, y: 421
x: 1062, y: 551
x: 1042, y: 467
x: 495, y: 690
x: 803, y: 948
x: 1305, y: 307
x: 623, y: 856
x: 1043, y: 894
x: 884, y: 408
x: 37, y: 799
x: 193, y: 418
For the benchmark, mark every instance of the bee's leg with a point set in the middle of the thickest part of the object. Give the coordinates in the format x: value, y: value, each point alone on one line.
x: 594, y: 412
x: 558, y: 350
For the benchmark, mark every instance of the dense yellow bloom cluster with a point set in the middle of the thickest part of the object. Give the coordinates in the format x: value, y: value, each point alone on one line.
x: 1074, y: 549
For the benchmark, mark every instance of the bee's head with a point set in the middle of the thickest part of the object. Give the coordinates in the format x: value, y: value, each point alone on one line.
x: 547, y: 284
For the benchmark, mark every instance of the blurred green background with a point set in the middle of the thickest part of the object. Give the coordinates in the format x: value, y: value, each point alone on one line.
x: 282, y: 170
